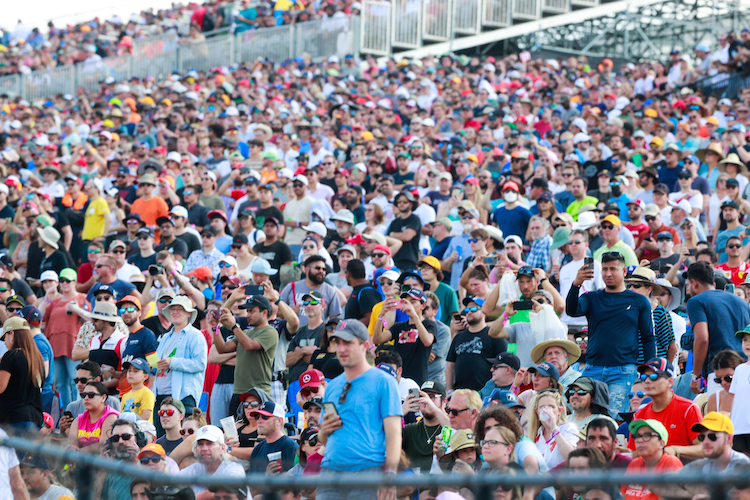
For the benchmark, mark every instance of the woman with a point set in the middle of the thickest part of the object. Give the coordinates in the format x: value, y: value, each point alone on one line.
x: 542, y: 377
x: 546, y: 205
x: 21, y: 377
x: 247, y: 424
x: 192, y: 423
x: 549, y: 428
x: 733, y: 192
x: 472, y: 191
x: 344, y: 255
x: 324, y: 358
x: 497, y: 447
x: 723, y: 366
x: 374, y: 218
x: 63, y: 329
x: 479, y: 282
x: 90, y: 428
x: 247, y: 227
x: 50, y: 285
x: 245, y: 256
x: 52, y: 258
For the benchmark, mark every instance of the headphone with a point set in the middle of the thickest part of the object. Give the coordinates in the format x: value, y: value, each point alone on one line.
x: 140, y: 436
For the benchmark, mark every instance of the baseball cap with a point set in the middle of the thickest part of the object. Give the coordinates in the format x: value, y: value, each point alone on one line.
x: 210, y: 433
x: 547, y: 369
x: 584, y: 383
x: 179, y: 211
x: 612, y: 219
x: 35, y: 461
x: 505, y: 398
x: 414, y: 293
x: 506, y: 358
x: 311, y: 378
x: 270, y: 409
x: 654, y: 425
x: 139, y: 363
x: 153, y: 448
x: 664, y: 235
x: 350, y: 329
x: 714, y: 421
x: 433, y: 386
x: 659, y: 365
x: 388, y: 369
x: 316, y: 401
x: 132, y: 299
x: 31, y: 314
x: 177, y: 404
x: 431, y: 261
x: 202, y: 273
x: 257, y: 301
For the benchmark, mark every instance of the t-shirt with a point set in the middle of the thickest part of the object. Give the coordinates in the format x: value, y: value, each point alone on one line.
x: 277, y: 253
x: 121, y: 289
x: 22, y: 399
x: 741, y: 405
x: 191, y: 240
x: 305, y: 337
x: 638, y: 466
x: 262, y: 213
x: 448, y: 302
x: 361, y: 301
x: 55, y: 491
x: 417, y: 440
x: 725, y: 314
x: 708, y: 466
x: 168, y: 445
x: 254, y: 368
x: 259, y: 458
x: 678, y: 417
x: 139, y: 344
x: 470, y: 352
x: 45, y: 348
x: 55, y: 262
x: 513, y: 221
x: 227, y: 468
x: 95, y: 219
x: 360, y: 442
x: 177, y: 247
x: 550, y: 451
x: 639, y: 231
x: 142, y: 262
x: 414, y: 353
x: 330, y: 297
x: 408, y: 254
x: 139, y: 401
x: 735, y: 274
x: 150, y: 210
x: 198, y: 215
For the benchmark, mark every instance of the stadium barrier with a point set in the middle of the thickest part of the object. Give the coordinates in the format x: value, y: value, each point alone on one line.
x: 162, y: 55
x: 482, y: 485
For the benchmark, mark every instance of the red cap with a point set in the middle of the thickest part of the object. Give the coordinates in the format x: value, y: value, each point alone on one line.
x: 522, y: 119
x: 244, y: 83
x: 48, y: 420
x: 134, y: 161
x: 382, y: 248
x: 497, y: 152
x: 471, y: 180
x: 160, y: 150
x: 203, y: 273
x: 81, y: 162
x: 356, y: 240
x: 311, y: 378
x: 52, y: 147
x: 610, y: 96
x: 511, y: 185
x: 131, y: 299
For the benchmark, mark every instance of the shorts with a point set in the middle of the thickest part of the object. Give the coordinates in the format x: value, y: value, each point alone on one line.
x: 741, y: 443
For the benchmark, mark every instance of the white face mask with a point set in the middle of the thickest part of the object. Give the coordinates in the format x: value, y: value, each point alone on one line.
x: 510, y: 196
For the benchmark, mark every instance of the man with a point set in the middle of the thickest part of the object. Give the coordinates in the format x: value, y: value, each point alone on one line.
x: 637, y: 227
x: 36, y: 472
x: 511, y: 217
x: 209, y: 449
x: 180, y: 216
x: 119, y: 250
x: 364, y: 296
x: 208, y: 256
x: 171, y: 414
x: 648, y: 248
x: 504, y: 368
x: 648, y: 177
x: 169, y: 240
x: 10, y: 471
x: 735, y: 269
x: 466, y: 364
x: 578, y: 188
x: 105, y: 269
x: 366, y: 399
x: 145, y: 256
x: 86, y: 372
x: 601, y: 434
x: 578, y: 245
x: 418, y: 438
x: 270, y: 418
x: 731, y: 214
x: 406, y: 227
x: 276, y: 252
x: 561, y: 353
x: 588, y: 399
x: 255, y: 347
x: 643, y: 282
x: 715, y: 317
x: 148, y: 206
x: 459, y: 249
x: 539, y: 250
x: 413, y: 338
x: 158, y: 323
x: 315, y: 274
x: 610, y: 231
x: 667, y: 258
x: 123, y: 447
x: 307, y: 339
x: 619, y: 321
x: 650, y: 439
x: 678, y: 414
x: 463, y: 409
x: 297, y: 214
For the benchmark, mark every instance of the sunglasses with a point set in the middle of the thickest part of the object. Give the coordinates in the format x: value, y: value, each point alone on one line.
x: 725, y: 378
x: 90, y: 395
x: 472, y: 240
x: 652, y: 377
x: 712, y: 436
x: 308, y: 390
x: 607, y: 226
x: 13, y: 310
x: 129, y: 309
x: 168, y: 413
x: 379, y: 255
x: 188, y: 432
x: 125, y: 437
x: 345, y: 392
x: 4, y: 289
x: 632, y: 395
x: 646, y: 436
x: 298, y: 185
x: 386, y: 283
x: 471, y: 309
x: 225, y: 265
x: 81, y: 380
x: 637, y: 286
x: 94, y: 250
x: 310, y: 302
x: 734, y: 245
x: 578, y: 392
x: 454, y: 412
x: 165, y: 300
x: 100, y: 298
x: 153, y: 460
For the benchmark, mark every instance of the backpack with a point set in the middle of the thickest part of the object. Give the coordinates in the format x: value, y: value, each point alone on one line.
x: 209, y: 22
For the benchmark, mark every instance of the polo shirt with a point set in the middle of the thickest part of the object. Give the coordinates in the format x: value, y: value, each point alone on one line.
x: 678, y: 417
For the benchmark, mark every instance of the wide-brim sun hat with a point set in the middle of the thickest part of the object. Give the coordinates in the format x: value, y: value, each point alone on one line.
x: 183, y: 301
x: 574, y: 352
x: 50, y: 236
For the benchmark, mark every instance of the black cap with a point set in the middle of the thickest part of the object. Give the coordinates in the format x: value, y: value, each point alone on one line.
x: 146, y: 231
x: 136, y: 217
x: 240, y: 239
x: 35, y: 461
x: 257, y: 301
x: 611, y: 206
x: 433, y: 386
x: 506, y: 358
x: 162, y: 220
x: 730, y: 204
x: 316, y: 401
x: 209, y: 230
x: 16, y: 299
x: 314, y: 294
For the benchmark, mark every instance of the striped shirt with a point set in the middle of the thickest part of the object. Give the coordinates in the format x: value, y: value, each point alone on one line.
x: 663, y: 333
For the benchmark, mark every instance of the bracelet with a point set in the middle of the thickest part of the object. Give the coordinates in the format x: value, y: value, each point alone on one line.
x: 389, y: 471
x: 555, y: 433
x: 385, y: 323
x: 514, y: 389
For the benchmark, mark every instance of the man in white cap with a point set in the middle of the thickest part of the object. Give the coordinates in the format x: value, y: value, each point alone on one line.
x: 297, y: 214
x: 209, y: 448
x: 179, y: 216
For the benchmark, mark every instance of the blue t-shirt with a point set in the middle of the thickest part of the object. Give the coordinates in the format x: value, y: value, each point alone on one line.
x: 139, y: 344
x: 622, y: 201
x: 47, y: 355
x: 725, y: 314
x: 121, y: 288
x: 614, y: 322
x: 563, y: 199
x: 668, y: 176
x: 513, y: 221
x: 360, y: 442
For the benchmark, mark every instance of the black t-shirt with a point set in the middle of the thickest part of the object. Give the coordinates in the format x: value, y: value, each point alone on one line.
x: 417, y: 442
x: 22, y: 399
x: 470, y: 352
x: 253, y: 205
x: 226, y: 372
x: 21, y: 288
x: 362, y: 300
x: 168, y: 445
x: 35, y: 257
x: 276, y: 254
x: 177, y: 247
x: 191, y: 240
x: 414, y: 353
x: 262, y: 213
x: 55, y: 262
x: 259, y: 458
x: 198, y: 215
x: 155, y: 326
x: 141, y: 262
x: 304, y: 338
x: 408, y: 254
x: 328, y: 363
x: 6, y: 212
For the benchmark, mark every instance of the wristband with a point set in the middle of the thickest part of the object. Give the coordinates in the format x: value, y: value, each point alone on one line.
x: 385, y: 323
x: 389, y: 471
x: 514, y: 389
x: 543, y: 280
x: 555, y: 433
x: 694, y: 377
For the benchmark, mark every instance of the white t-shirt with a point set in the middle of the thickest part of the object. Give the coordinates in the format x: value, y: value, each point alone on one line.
x: 696, y: 200
x: 226, y: 469
x: 568, y: 274
x: 8, y: 460
x: 550, y: 451
x: 403, y: 387
x: 741, y: 405
x: 126, y: 271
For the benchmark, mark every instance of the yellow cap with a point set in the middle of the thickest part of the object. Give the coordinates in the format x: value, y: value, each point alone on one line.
x: 715, y: 421
x: 612, y: 219
x: 651, y: 113
x: 658, y: 141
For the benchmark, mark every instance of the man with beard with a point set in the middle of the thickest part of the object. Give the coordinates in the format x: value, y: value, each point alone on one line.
x: 123, y: 447
x: 406, y: 228
x: 170, y: 241
x: 354, y: 199
x: 209, y: 449
x: 315, y: 274
x: 418, y: 438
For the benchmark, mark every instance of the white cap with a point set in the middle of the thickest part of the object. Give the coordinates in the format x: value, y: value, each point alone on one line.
x: 210, y: 174
x: 194, y: 96
x: 580, y: 137
x: 580, y: 123
x: 300, y: 178
x: 317, y: 228
x: 179, y: 211
x: 428, y: 122
x: 232, y: 111
x: 49, y: 276
x: 174, y: 156
x: 210, y: 433
x: 229, y: 260
x: 390, y: 275
x: 285, y: 172
x: 514, y: 239
x: 334, y: 59
x: 682, y: 204
x: 360, y: 166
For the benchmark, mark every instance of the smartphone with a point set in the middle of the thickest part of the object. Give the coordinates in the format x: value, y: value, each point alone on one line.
x: 524, y: 305
x: 691, y: 252
x: 458, y: 317
x: 400, y: 304
x: 414, y: 392
x: 330, y: 408
x: 490, y: 260
x: 254, y: 290
x: 68, y: 414
x: 588, y: 262
x: 30, y: 196
x: 216, y: 313
x: 655, y: 267
x: 729, y: 288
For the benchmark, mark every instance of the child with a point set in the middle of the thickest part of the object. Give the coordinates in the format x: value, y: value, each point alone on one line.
x: 740, y: 407
x: 140, y: 400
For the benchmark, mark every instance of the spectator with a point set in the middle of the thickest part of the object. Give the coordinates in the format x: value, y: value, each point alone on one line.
x: 270, y: 418
x: 650, y: 438
x: 209, y: 449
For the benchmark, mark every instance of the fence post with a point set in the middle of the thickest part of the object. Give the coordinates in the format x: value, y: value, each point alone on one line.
x: 232, y: 55
x: 357, y: 28
x: 22, y: 86
x: 85, y: 479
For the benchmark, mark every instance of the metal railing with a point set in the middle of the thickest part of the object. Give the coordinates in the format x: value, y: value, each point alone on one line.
x: 162, y: 55
x: 483, y: 485
x: 375, y: 35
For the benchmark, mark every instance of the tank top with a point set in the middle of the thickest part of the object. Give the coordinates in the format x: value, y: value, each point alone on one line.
x: 247, y: 440
x: 90, y: 432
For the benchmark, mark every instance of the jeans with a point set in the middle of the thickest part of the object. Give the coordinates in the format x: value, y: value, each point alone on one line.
x: 221, y: 394
x: 619, y: 380
x: 65, y: 372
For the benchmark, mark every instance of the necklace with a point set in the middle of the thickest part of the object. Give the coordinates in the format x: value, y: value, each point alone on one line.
x: 429, y: 438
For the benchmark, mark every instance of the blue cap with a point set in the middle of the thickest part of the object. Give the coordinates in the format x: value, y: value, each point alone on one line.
x: 31, y: 314
x: 139, y: 363
x: 476, y: 300
x: 694, y: 159
x: 664, y: 235
x: 505, y: 398
x: 414, y: 293
x: 701, y: 47
x: 547, y: 369
x: 739, y: 127
x: 388, y: 369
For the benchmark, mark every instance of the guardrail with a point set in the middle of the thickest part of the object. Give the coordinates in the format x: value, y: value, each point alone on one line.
x: 161, y: 55
x: 483, y: 485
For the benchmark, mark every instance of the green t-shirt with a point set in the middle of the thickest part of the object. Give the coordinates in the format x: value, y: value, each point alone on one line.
x: 623, y: 248
x: 448, y: 302
x: 254, y: 368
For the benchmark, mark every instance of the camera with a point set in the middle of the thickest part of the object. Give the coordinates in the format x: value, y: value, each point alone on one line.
x: 155, y: 269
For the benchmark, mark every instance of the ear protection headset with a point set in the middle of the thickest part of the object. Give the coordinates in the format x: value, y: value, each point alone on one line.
x: 140, y: 436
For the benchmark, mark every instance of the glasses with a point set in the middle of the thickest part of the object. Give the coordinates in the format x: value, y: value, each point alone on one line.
x: 497, y: 367
x: 165, y: 300
x: 637, y: 286
x: 100, y: 298
x: 153, y: 460
x: 712, y: 436
x: 491, y: 443
x: 81, y: 380
x: 734, y: 245
x: 168, y: 413
x: 607, y: 226
x: 577, y: 392
x: 725, y: 378
x: 308, y: 390
x: 344, y: 392
x: 125, y: 437
x: 471, y: 309
x: 129, y: 309
x: 309, y: 247
x: 651, y: 376
x: 90, y: 395
x: 4, y: 289
x: 13, y: 310
x: 187, y: 432
x: 467, y: 217
x: 575, y: 242
x: 646, y: 436
x: 379, y: 256
x: 187, y: 192
x: 454, y: 412
x: 298, y: 185
x: 94, y: 250
x: 225, y: 265
x: 472, y: 240
x: 403, y: 202
x: 264, y: 417
x: 638, y: 394
x: 310, y: 302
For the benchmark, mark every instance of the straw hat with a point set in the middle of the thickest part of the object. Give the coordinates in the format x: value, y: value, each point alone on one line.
x: 49, y: 235
x: 733, y: 159
x: 574, y: 352
x: 645, y: 275
x: 183, y: 301
x: 714, y: 147
x: 105, y: 311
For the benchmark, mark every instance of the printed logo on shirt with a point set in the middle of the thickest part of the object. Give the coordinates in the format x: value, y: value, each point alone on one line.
x: 408, y: 336
x: 474, y: 346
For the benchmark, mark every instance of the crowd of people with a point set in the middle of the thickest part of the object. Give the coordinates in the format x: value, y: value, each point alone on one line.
x: 434, y: 266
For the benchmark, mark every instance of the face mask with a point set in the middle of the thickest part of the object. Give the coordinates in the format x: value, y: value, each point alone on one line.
x: 510, y: 197
x: 616, y: 191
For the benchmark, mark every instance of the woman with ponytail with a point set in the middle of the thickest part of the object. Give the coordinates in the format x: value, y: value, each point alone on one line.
x: 21, y: 377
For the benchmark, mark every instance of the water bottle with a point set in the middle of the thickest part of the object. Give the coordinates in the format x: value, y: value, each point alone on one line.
x: 460, y: 252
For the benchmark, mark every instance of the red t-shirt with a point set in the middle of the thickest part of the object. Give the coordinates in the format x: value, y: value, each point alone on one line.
x: 640, y: 491
x: 678, y: 417
x: 639, y: 232
x: 85, y: 272
x: 736, y: 274
x: 651, y: 255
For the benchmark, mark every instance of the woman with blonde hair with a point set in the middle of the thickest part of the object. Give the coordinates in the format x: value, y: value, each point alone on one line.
x: 498, y: 447
x: 374, y: 218
x: 549, y: 428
